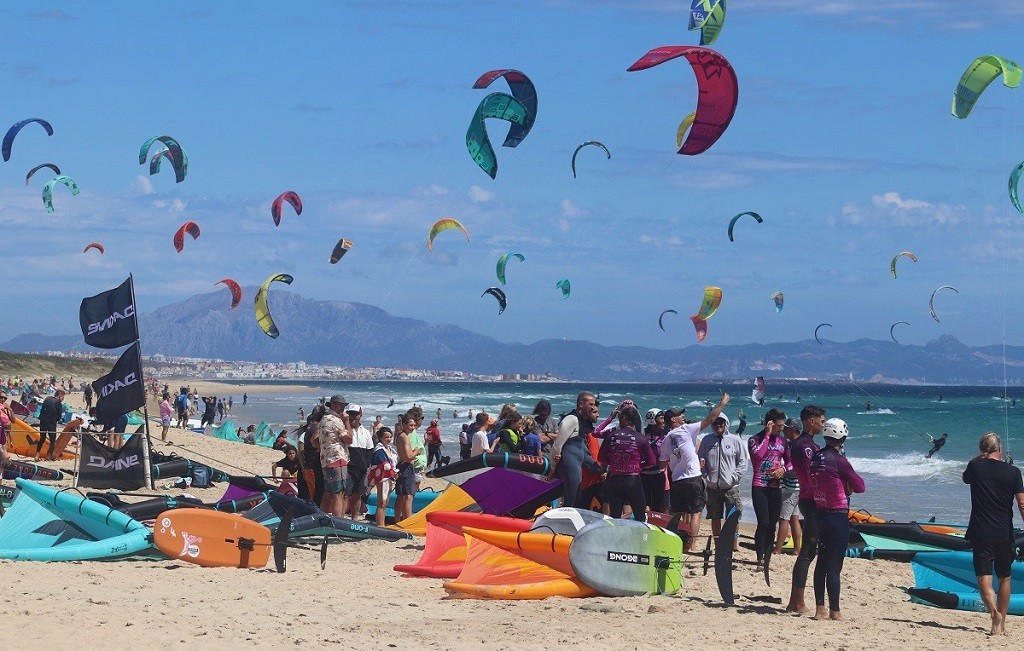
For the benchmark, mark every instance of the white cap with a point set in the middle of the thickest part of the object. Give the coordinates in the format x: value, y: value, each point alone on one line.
x: 353, y: 407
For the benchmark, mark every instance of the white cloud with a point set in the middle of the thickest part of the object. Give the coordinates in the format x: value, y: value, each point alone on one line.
x: 479, y: 195
x: 142, y: 185
x: 895, y: 210
x: 570, y: 209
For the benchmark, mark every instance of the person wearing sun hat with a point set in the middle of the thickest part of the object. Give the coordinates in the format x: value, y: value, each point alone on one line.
x: 335, y: 435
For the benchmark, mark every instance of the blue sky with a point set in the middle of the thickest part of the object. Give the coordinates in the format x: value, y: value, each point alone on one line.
x: 842, y: 140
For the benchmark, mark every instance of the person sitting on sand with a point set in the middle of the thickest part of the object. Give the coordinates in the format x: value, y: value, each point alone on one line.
x: 290, y: 469
x: 995, y: 485
x: 937, y: 444
x: 531, y: 437
x: 478, y: 435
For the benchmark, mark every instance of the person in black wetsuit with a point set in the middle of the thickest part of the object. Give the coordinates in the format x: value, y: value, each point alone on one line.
x: 937, y: 444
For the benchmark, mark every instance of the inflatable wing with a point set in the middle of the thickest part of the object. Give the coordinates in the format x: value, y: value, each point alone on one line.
x: 904, y: 254
x: 291, y: 198
x: 158, y: 157
x: 48, y: 190
x: 340, y: 249
x: 263, y: 316
x: 189, y: 227
x: 893, y: 327
x: 708, y: 16
x: 777, y: 297
x: 94, y: 245
x: 708, y: 307
x: 499, y: 295
x: 495, y: 105
x: 593, y: 143
x: 662, y: 316
x: 177, y: 155
x: 16, y: 128
x: 820, y: 326
x: 503, y: 260
x: 236, y: 291
x: 524, y: 92
x: 976, y: 79
x: 1014, y: 182
x: 564, y: 285
x: 717, y: 86
x: 28, y: 177
x: 931, y: 301
x: 442, y: 225
x: 732, y: 222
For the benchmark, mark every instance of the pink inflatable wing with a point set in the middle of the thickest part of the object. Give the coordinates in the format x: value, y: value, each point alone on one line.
x: 290, y: 197
x: 717, y: 89
x: 701, y: 326
x: 523, y: 90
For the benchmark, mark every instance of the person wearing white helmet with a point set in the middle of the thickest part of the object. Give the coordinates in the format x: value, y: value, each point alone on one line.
x: 833, y: 480
x: 653, y: 479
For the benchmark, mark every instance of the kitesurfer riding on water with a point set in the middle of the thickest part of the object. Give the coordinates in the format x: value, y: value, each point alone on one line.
x: 937, y: 444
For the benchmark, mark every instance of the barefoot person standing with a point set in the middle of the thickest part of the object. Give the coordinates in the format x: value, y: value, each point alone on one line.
x: 994, y: 486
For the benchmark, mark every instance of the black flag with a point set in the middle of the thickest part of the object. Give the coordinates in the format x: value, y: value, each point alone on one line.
x: 108, y: 319
x: 103, y: 467
x: 122, y: 390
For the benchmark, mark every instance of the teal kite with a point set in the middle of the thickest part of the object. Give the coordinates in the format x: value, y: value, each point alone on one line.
x: 1014, y: 181
x: 732, y: 222
x: 495, y: 105
x: 563, y: 285
x: 177, y: 156
x: 593, y: 143
x: 48, y: 190
x: 978, y: 76
x: 503, y: 260
x: 777, y: 297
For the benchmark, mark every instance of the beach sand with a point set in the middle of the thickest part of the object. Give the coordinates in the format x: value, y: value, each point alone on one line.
x: 358, y: 601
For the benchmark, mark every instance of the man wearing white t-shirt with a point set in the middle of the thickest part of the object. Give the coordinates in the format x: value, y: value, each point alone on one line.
x: 360, y: 452
x: 480, y: 444
x: 688, y: 493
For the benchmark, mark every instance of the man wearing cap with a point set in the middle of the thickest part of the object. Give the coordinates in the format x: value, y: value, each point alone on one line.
x: 335, y: 435
x: 687, y: 493
x: 49, y: 415
x: 360, y: 451
x: 723, y: 460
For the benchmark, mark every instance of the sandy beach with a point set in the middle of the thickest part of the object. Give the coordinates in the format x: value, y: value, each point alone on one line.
x: 161, y: 602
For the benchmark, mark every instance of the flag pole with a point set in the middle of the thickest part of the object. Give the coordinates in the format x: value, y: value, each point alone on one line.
x: 147, y: 442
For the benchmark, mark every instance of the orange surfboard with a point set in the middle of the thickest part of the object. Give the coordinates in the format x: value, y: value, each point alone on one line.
x: 22, y: 439
x: 65, y: 436
x: 212, y: 538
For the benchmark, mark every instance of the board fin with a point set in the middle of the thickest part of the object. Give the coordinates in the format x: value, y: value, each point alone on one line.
x: 281, y: 541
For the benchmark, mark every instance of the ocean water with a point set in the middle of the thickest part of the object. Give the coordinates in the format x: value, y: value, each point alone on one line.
x: 886, y: 446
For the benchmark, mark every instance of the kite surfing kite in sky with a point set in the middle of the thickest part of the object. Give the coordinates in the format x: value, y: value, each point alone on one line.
x: 499, y: 295
x: 291, y: 198
x: 732, y: 222
x: 263, y: 316
x: 495, y: 105
x: 931, y: 301
x: 48, y: 190
x: 177, y: 156
x: 189, y: 227
x: 709, y: 17
x: 662, y: 316
x: 777, y: 297
x: 820, y: 326
x: 524, y: 93
x: 442, y: 225
x: 976, y: 79
x: 564, y: 285
x: 503, y: 260
x: 340, y: 249
x: 718, y: 91
x: 893, y: 327
x: 16, y: 128
x: 905, y: 254
x: 708, y: 307
x: 94, y: 245
x: 51, y: 166
x: 236, y: 291
x: 592, y: 143
x: 1014, y: 182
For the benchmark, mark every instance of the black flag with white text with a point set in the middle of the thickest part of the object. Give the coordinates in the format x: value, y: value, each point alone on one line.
x: 108, y: 319
x: 122, y: 390
x: 103, y: 467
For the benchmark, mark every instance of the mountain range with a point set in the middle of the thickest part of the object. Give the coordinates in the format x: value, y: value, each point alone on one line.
x: 359, y: 335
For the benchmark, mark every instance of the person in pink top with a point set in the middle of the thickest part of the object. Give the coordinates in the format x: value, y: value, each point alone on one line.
x: 625, y: 452
x: 832, y: 480
x: 769, y: 456
x: 165, y: 416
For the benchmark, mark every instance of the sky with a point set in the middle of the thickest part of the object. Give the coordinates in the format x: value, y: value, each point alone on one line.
x: 842, y: 141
